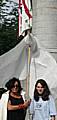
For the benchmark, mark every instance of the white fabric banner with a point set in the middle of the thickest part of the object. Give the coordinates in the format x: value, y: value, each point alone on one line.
x: 15, y: 64
x: 43, y: 67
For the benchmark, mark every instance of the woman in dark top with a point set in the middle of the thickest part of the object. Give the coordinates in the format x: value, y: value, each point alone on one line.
x: 16, y: 105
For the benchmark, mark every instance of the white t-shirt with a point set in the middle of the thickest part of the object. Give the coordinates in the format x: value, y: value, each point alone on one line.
x: 42, y: 110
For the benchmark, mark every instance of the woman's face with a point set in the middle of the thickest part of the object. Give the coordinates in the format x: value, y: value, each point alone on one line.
x: 15, y: 87
x: 39, y: 88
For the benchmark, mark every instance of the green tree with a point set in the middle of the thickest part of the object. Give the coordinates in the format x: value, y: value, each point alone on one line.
x: 8, y: 25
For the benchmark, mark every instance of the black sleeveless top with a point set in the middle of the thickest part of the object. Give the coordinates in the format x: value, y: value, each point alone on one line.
x: 16, y: 114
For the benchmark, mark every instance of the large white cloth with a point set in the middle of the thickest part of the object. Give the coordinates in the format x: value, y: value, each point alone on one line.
x: 15, y: 64
x: 43, y: 67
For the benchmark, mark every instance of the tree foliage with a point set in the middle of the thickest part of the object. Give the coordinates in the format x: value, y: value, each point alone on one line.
x: 8, y: 25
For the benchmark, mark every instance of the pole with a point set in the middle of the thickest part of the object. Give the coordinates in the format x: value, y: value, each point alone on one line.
x: 28, y: 77
x: 19, y: 19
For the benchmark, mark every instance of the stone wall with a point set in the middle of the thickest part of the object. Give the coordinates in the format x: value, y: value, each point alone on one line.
x: 44, y: 24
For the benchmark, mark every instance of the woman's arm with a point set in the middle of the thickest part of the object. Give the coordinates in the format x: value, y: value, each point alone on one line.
x: 15, y: 107
x: 52, y: 108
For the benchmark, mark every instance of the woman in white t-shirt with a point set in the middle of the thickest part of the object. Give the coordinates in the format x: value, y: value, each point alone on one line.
x: 42, y: 105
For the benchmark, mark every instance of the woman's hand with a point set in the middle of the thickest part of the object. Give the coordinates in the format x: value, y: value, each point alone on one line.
x: 27, y: 103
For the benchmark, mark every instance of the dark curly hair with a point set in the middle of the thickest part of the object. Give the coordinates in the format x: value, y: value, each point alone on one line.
x: 46, y: 92
x: 9, y: 85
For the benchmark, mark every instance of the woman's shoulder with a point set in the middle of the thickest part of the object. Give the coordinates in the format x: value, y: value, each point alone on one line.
x: 51, y: 97
x: 23, y: 94
x: 5, y: 94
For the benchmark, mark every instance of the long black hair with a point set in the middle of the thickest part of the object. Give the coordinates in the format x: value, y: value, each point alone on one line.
x: 46, y: 92
x: 10, y: 84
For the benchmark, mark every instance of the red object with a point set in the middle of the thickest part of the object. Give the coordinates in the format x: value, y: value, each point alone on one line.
x: 26, y: 9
